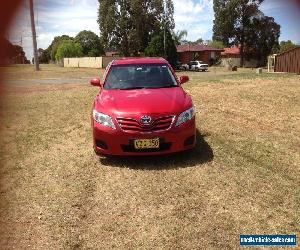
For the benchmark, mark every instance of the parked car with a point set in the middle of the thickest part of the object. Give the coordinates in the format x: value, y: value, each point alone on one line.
x: 178, y: 65
x: 185, y: 67
x: 141, y: 109
x: 198, y: 65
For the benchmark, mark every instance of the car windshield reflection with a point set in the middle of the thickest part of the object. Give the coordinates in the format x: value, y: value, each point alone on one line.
x: 140, y: 76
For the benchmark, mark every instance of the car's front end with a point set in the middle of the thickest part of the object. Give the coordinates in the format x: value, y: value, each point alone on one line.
x: 134, y: 116
x: 126, y: 135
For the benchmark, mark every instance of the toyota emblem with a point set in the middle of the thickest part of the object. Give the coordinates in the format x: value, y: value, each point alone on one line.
x: 145, y: 120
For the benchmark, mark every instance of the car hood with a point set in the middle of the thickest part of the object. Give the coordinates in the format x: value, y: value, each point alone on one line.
x: 143, y: 101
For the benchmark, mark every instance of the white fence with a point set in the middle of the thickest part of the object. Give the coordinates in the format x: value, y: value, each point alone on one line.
x: 88, y: 62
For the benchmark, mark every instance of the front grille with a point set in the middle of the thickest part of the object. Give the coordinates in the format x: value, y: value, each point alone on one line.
x: 189, y: 141
x: 131, y: 124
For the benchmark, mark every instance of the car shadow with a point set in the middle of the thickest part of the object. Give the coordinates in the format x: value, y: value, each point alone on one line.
x: 201, y: 154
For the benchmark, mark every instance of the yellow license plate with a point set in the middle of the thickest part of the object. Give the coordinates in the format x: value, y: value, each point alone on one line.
x: 146, y: 143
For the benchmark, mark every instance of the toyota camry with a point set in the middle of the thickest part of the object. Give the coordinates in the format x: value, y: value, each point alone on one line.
x: 141, y: 109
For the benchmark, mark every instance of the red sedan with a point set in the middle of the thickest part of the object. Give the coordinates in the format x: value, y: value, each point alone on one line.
x: 141, y: 109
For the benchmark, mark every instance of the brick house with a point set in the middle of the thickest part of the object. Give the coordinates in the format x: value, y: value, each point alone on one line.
x: 231, y: 56
x: 201, y: 52
x: 231, y: 52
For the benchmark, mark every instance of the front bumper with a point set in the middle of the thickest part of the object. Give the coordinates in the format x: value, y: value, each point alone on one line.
x: 118, y: 142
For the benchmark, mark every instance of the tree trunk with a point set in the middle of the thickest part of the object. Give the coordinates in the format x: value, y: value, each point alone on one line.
x: 242, y: 40
x: 242, y: 53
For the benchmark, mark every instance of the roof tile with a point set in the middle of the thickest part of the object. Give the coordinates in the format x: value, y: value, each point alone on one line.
x: 195, y: 48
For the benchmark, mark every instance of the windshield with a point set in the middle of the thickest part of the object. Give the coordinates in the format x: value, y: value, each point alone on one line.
x: 137, y: 76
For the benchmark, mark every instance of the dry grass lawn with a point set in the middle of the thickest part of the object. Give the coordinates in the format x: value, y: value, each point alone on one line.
x: 243, y: 177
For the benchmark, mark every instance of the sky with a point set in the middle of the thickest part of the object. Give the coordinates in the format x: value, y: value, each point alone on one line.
x: 58, y: 17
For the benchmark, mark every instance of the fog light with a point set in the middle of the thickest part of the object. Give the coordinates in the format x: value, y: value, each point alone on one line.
x: 189, y: 141
x: 101, y: 144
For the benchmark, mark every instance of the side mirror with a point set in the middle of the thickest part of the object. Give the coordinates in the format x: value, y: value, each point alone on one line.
x: 95, y: 82
x: 183, y: 79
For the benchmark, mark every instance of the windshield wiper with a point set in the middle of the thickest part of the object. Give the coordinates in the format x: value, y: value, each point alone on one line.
x: 166, y: 86
x: 170, y: 86
x: 148, y: 87
x: 133, y: 88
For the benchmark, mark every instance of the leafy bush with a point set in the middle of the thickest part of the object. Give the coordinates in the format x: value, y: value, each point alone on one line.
x: 68, y: 48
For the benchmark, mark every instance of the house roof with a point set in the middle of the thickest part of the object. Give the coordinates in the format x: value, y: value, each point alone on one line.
x: 195, y: 48
x: 234, y: 50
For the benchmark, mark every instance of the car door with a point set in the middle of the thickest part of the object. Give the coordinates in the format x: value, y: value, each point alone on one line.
x: 192, y: 65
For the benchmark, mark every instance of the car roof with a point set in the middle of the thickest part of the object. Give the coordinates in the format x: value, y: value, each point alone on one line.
x: 138, y: 60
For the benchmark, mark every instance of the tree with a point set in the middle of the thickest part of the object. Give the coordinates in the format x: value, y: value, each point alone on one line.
x: 13, y: 53
x: 168, y: 14
x: 262, y: 38
x: 223, y: 27
x: 285, y: 45
x: 239, y: 22
x: 68, y: 48
x: 156, y: 47
x: 17, y: 54
x: 43, y: 56
x: 50, y: 52
x: 245, y: 10
x: 90, y: 43
x: 129, y: 25
x: 216, y: 44
x: 107, y: 19
x: 198, y: 41
x: 178, y: 36
x: 232, y: 20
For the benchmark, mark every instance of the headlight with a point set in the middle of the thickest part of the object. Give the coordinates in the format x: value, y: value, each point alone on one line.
x: 103, y: 119
x: 186, y: 116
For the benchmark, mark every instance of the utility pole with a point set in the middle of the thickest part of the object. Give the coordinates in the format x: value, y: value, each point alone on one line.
x: 164, y: 28
x: 36, y: 59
